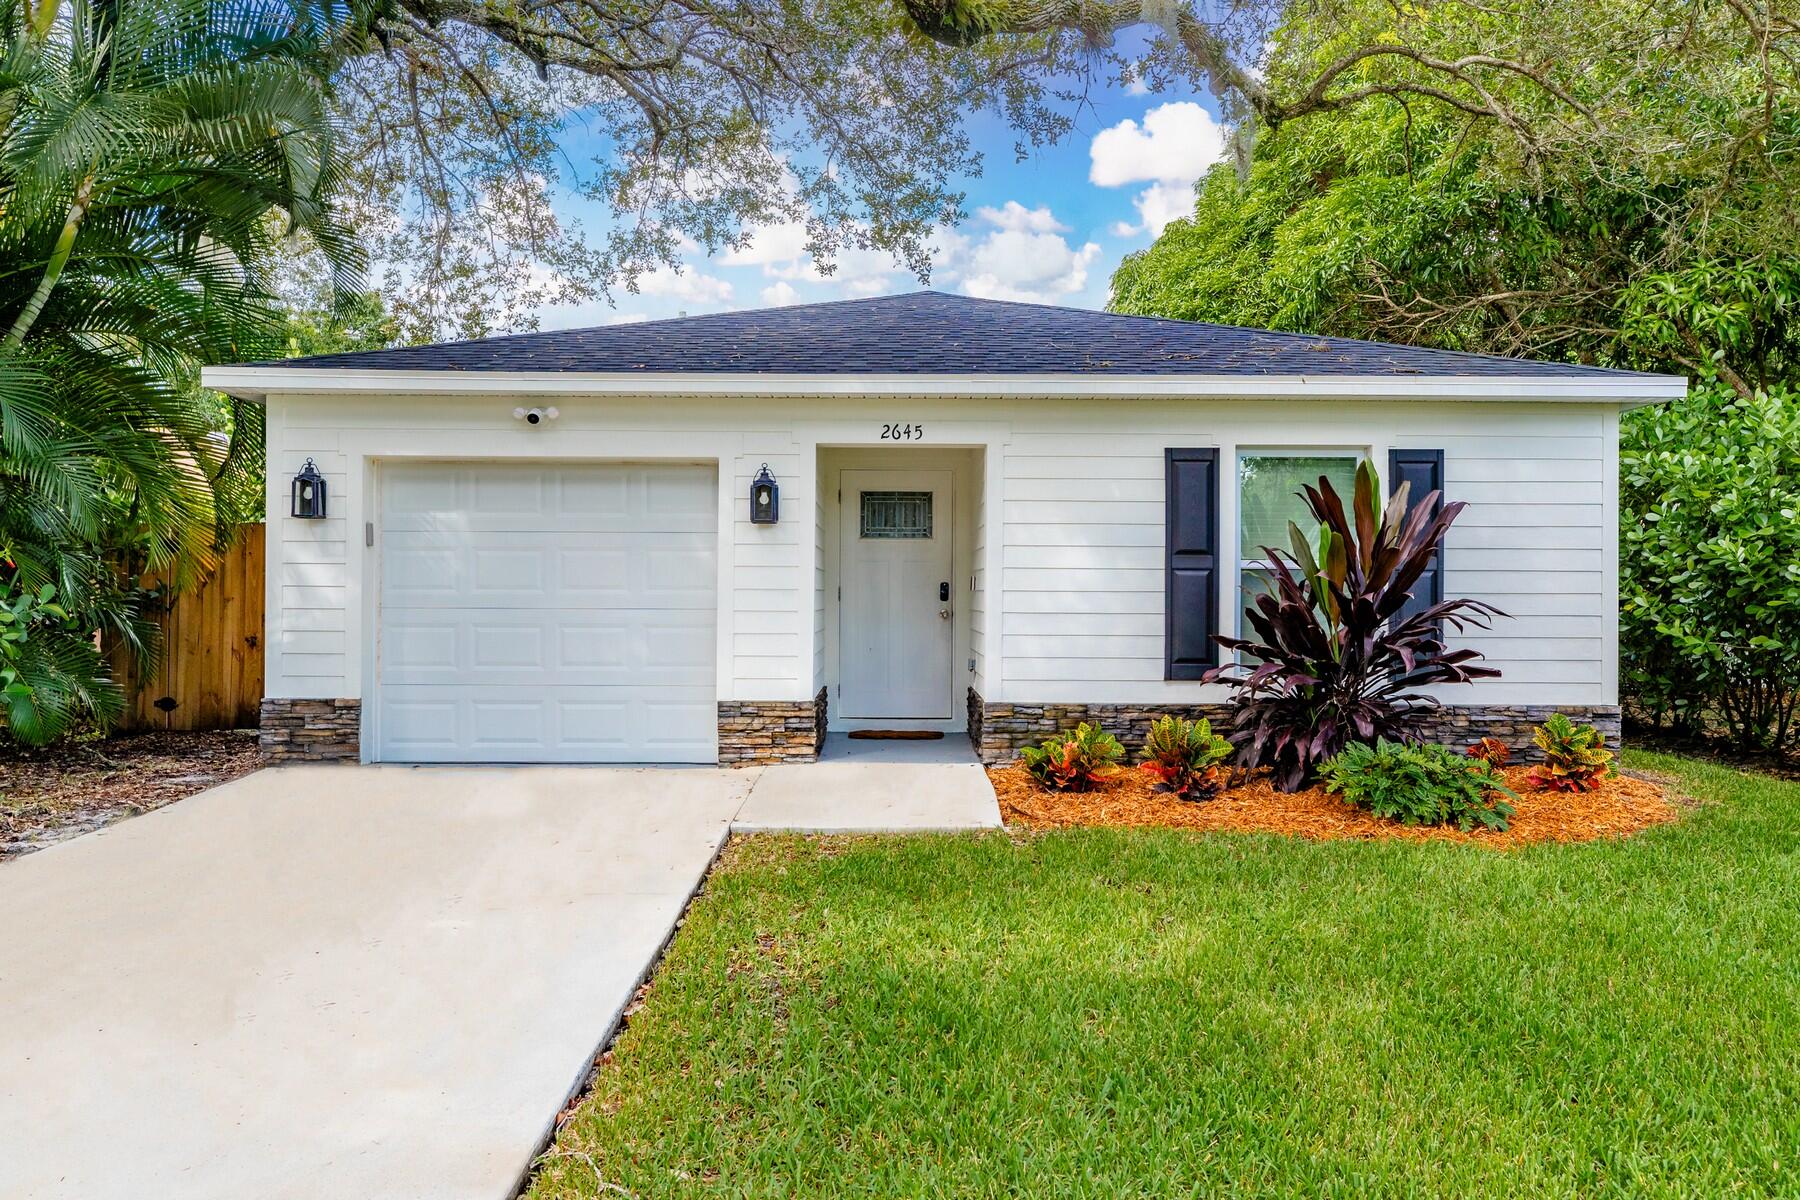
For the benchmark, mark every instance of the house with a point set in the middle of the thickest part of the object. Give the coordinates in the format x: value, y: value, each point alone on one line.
x: 973, y: 516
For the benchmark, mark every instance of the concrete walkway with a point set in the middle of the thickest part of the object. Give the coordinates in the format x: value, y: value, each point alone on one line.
x: 874, y: 787
x: 372, y: 983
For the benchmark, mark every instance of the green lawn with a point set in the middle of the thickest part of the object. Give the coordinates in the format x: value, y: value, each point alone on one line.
x: 1162, y: 1014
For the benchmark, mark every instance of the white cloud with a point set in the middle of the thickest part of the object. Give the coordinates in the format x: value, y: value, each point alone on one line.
x: 1023, y: 255
x: 1176, y: 143
x: 1015, y: 216
x: 780, y: 250
x: 855, y: 271
x: 1161, y: 203
x: 768, y: 244
x: 1135, y: 86
x: 778, y: 294
x: 1174, y: 146
x: 687, y: 283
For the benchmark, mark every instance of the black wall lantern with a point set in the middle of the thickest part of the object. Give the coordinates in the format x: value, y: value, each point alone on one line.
x: 309, y: 493
x: 765, y: 498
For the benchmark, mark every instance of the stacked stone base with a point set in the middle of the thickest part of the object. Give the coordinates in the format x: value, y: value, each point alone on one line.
x: 998, y: 731
x: 294, y: 731
x: 1513, y: 724
x: 755, y: 733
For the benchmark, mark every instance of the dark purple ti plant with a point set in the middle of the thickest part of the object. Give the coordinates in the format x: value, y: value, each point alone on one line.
x: 1332, y: 661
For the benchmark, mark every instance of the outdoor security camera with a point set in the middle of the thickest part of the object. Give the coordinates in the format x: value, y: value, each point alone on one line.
x: 534, y: 416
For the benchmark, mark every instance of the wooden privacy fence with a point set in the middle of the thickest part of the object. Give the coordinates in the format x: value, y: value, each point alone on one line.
x: 212, y: 669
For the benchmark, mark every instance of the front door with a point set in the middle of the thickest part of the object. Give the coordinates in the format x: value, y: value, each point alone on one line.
x: 898, y: 598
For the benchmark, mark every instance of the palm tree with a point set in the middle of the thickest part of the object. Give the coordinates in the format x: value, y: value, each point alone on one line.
x: 153, y: 155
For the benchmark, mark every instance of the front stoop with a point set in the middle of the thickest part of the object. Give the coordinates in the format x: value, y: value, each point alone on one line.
x: 870, y: 797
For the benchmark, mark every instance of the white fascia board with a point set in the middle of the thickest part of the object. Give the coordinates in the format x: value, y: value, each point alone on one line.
x: 1629, y: 390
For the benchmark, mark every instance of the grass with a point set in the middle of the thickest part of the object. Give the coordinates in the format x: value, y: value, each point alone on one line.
x: 1153, y: 1013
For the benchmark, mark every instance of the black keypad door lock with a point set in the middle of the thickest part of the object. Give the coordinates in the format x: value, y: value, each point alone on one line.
x: 943, y: 591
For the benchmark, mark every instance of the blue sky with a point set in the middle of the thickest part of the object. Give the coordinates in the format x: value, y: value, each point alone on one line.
x: 1050, y: 228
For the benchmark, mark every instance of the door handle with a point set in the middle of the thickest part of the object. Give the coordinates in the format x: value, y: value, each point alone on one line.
x: 944, y: 613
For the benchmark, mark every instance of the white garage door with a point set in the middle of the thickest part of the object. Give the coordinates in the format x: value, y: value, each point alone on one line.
x: 547, y: 613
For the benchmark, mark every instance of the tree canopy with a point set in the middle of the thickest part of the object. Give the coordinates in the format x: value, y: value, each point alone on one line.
x: 152, y: 156
x: 1649, y: 219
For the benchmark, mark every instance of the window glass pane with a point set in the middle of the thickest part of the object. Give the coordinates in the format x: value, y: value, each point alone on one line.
x: 896, y: 514
x: 1269, y: 496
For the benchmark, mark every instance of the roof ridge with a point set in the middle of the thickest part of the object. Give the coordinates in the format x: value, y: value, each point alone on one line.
x: 927, y: 331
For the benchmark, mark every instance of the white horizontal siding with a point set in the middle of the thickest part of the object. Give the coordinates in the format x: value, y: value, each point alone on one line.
x: 1082, y: 560
x: 1065, y: 580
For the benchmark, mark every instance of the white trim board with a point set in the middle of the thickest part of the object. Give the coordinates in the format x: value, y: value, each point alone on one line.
x: 256, y: 383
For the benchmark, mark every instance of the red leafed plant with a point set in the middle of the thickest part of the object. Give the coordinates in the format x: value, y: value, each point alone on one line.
x: 1492, y: 751
x: 1575, y: 756
x: 1184, y: 758
x: 1332, y: 661
x: 1073, y: 761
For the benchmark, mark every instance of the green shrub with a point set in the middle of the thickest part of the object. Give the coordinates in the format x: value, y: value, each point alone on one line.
x: 1575, y: 756
x: 1185, y: 757
x: 1072, y: 761
x: 1709, y: 597
x: 1420, y: 785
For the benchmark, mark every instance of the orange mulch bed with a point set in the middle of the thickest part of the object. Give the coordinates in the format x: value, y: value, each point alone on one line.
x: 1619, y: 806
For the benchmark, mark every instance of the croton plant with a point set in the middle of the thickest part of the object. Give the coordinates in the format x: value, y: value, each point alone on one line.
x: 1332, y: 660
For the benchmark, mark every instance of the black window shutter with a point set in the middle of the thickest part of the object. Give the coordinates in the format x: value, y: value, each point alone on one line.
x: 1424, y: 470
x: 1191, y: 566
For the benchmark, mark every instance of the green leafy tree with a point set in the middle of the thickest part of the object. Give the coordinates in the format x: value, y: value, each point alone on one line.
x: 328, y: 326
x: 1710, y: 594
x: 152, y: 155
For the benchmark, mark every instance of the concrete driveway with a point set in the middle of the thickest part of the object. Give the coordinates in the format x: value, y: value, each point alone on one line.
x: 328, y: 982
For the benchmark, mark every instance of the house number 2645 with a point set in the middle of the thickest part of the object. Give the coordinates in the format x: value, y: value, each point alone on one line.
x: 893, y: 431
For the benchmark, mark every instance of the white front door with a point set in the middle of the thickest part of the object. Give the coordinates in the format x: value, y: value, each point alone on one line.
x: 545, y: 612
x: 898, y: 596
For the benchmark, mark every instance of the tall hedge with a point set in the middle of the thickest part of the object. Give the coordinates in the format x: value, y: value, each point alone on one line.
x: 1709, y: 634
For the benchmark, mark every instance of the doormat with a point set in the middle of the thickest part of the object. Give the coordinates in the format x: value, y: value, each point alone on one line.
x: 896, y: 735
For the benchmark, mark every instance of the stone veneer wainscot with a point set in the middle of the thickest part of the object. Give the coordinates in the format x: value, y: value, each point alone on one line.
x: 754, y: 733
x: 311, y: 730
x: 1000, y: 730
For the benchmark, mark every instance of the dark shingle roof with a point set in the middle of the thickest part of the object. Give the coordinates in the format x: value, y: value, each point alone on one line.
x: 933, y: 333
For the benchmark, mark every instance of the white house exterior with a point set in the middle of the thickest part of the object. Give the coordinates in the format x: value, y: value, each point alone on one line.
x: 985, y: 548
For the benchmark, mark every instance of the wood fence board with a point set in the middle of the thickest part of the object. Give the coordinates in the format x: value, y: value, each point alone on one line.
x: 212, y: 650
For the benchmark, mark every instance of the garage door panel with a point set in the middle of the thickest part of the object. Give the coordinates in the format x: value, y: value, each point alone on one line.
x: 498, y: 572
x: 419, y: 494
x: 420, y: 645
x: 495, y: 647
x: 411, y: 575
x: 479, y: 646
x: 538, y: 724
x: 668, y: 492
x: 501, y: 498
x: 451, y: 525
x: 594, y: 495
x: 548, y: 613
x: 562, y: 570
x: 426, y: 724
x: 506, y: 493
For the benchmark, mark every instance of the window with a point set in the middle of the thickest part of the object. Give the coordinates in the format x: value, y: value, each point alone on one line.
x: 1269, y: 497
x: 896, y: 514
